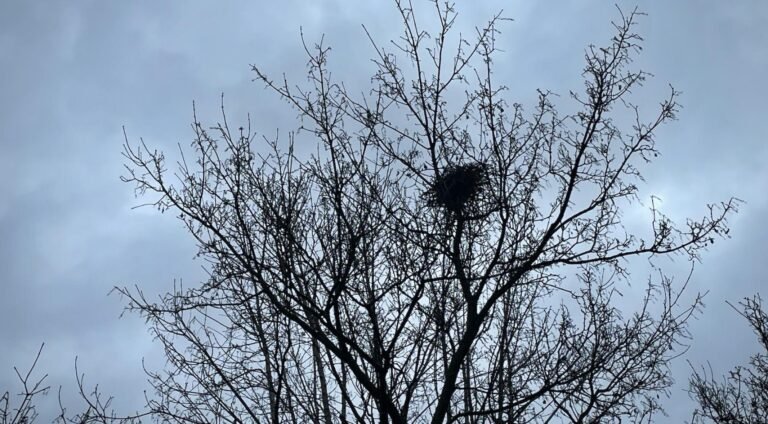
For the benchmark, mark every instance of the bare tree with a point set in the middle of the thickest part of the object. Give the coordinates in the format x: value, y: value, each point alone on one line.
x: 97, y: 408
x: 426, y: 252
x: 742, y: 397
x: 31, y: 389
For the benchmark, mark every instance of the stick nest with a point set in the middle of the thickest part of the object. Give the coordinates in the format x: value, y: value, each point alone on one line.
x: 458, y: 186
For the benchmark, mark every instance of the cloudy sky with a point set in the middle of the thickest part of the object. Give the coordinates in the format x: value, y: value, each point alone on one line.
x: 75, y: 72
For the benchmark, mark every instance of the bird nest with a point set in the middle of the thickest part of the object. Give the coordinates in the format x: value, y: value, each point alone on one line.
x: 458, y: 186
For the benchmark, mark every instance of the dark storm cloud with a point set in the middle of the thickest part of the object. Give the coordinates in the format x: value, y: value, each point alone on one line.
x: 74, y: 73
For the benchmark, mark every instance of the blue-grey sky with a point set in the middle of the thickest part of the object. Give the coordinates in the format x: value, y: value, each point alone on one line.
x: 74, y: 73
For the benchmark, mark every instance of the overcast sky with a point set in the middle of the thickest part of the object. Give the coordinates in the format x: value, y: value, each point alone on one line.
x: 73, y: 73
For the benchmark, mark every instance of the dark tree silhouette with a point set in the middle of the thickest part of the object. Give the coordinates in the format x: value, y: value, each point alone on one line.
x: 742, y: 397
x: 21, y: 407
x: 426, y: 252
x: 25, y: 410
